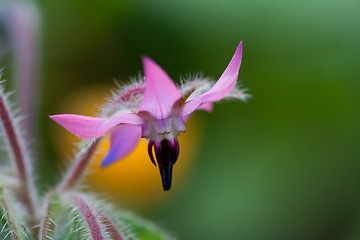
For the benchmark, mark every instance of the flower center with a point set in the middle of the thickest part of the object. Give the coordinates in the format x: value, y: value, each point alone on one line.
x: 159, y: 129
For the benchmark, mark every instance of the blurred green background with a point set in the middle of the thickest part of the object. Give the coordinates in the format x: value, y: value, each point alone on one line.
x: 285, y: 165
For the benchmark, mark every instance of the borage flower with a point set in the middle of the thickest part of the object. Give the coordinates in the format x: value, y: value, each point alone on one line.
x: 154, y: 109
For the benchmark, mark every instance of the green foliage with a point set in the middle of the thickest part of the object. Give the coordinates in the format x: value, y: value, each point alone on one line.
x: 10, y: 222
x: 143, y: 229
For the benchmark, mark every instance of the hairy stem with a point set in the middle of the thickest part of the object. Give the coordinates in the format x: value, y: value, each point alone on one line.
x: 46, y: 223
x: 76, y: 172
x: 7, y: 212
x: 89, y: 216
x: 115, y: 234
x: 19, y: 157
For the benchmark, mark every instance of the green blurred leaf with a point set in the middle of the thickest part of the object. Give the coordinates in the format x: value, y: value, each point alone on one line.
x: 142, y: 229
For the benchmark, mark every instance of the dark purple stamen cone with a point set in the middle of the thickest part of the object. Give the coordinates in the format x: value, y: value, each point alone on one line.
x: 166, y: 153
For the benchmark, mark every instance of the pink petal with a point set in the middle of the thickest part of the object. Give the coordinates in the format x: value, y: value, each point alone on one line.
x: 223, y: 86
x: 92, y: 127
x: 160, y: 93
x: 124, y: 139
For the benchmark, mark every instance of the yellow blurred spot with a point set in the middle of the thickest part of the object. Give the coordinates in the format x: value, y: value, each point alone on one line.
x: 134, y: 179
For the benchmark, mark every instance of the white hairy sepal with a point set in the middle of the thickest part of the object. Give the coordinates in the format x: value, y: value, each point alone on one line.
x: 240, y: 94
x: 193, y: 86
x: 125, y: 98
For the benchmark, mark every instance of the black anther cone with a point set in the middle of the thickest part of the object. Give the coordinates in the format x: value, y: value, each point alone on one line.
x: 166, y: 156
x: 166, y: 175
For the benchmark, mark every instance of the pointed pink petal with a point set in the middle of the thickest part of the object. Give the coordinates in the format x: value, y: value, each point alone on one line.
x: 92, y: 127
x: 124, y: 139
x: 160, y: 92
x: 223, y: 86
